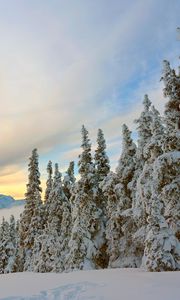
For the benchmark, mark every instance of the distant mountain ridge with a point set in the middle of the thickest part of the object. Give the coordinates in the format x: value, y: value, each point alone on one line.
x: 8, y: 201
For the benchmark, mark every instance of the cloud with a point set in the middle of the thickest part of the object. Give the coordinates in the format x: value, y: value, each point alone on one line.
x: 64, y: 64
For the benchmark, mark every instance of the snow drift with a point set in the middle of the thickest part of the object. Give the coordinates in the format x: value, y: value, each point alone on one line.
x: 111, y: 284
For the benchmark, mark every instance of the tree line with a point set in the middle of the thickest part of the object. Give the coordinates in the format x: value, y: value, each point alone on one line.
x: 126, y: 218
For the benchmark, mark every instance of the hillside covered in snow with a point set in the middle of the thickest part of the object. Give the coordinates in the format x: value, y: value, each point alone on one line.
x: 14, y: 210
x: 125, y: 284
x: 9, y: 206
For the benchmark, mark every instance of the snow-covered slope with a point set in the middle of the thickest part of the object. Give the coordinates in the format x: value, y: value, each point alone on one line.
x: 7, y: 212
x: 116, y: 284
x: 9, y: 206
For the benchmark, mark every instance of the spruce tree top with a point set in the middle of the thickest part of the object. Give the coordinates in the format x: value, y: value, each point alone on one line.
x: 57, y: 176
x: 70, y: 172
x: 144, y: 124
x: 49, y: 168
x: 154, y: 147
x: 101, y: 158
x: 127, y: 142
x: 146, y: 103
x: 126, y: 162
x: 172, y: 91
x: 156, y: 126
x: 33, y: 186
x: 49, y: 182
x: 85, y: 158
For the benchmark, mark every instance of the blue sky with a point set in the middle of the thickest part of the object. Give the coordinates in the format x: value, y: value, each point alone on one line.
x: 68, y: 63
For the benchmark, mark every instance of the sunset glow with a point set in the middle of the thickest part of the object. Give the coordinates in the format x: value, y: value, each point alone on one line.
x: 68, y: 63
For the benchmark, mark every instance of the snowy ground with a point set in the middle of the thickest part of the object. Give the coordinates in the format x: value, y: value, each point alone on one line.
x: 113, y: 284
x: 7, y: 212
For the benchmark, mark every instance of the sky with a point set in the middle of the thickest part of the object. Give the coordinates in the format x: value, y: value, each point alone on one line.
x: 68, y: 63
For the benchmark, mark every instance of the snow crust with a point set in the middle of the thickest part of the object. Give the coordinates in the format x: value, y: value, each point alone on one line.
x: 111, y: 284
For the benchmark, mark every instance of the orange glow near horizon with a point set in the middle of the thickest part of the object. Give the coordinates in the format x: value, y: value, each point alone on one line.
x: 17, y: 191
x: 15, y: 184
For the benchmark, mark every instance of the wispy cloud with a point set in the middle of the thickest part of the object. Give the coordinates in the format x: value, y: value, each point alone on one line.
x: 68, y: 63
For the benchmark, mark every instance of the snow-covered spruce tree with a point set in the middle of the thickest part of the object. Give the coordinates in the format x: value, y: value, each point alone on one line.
x: 49, y: 182
x: 171, y: 192
x: 160, y: 188
x: 144, y: 129
x: 134, y: 216
x: 13, y: 247
x: 56, y: 198
x: 37, y: 228
x: 113, y: 230
x: 64, y: 238
x: 30, y: 221
x: 49, y: 186
x: 128, y: 254
x: 166, y: 174
x: 86, y: 231
x: 4, y: 240
x: 8, y: 246
x: 168, y: 165
x: 19, y: 252
x: 52, y: 245
x: 120, y: 224
x: 171, y: 91
x: 172, y: 108
x: 69, y: 180
x: 102, y: 168
x: 152, y: 150
x: 101, y: 159
x: 126, y: 164
x: 162, y: 249
x: 144, y: 136
x: 46, y: 252
x: 64, y: 228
